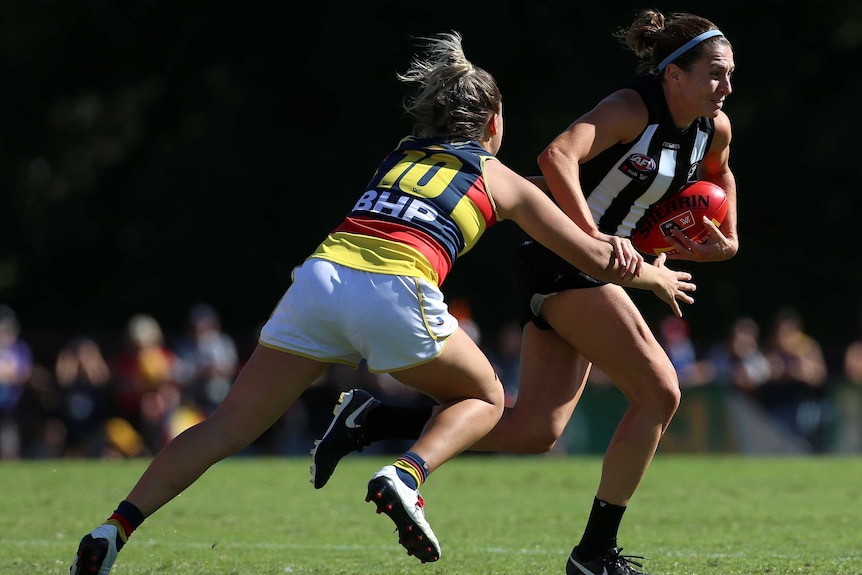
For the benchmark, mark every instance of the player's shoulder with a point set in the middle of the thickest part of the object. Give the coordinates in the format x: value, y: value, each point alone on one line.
x: 625, y: 100
x: 722, y: 122
x: 495, y: 170
x: 623, y: 112
x: 508, y: 188
x: 722, y: 130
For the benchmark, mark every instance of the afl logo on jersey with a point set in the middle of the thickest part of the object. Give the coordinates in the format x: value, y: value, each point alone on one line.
x: 639, y: 166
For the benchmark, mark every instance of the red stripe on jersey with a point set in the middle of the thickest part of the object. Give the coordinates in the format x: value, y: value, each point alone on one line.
x: 394, y: 232
x: 479, y: 197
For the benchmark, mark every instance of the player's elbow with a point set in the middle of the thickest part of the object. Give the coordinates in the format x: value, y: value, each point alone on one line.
x: 734, y: 248
x: 729, y: 250
x: 551, y: 156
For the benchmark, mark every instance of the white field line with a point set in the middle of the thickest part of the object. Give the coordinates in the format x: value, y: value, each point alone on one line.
x: 174, y: 544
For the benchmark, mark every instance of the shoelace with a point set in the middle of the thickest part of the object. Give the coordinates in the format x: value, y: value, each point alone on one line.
x: 621, y: 560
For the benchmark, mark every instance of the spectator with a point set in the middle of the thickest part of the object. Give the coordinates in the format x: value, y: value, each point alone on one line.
x: 83, y: 375
x: 207, y: 360
x: 853, y: 362
x: 853, y: 357
x: 795, y: 394
x: 41, y: 433
x: 16, y: 367
x: 740, y: 361
x: 146, y: 391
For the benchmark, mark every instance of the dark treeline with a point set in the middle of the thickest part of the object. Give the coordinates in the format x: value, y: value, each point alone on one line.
x: 155, y: 154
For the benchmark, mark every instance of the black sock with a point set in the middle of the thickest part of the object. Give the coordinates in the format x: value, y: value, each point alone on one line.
x: 126, y: 518
x: 600, y: 534
x: 391, y: 422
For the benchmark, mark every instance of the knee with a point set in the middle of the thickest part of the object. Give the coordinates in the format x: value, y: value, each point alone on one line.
x: 670, y: 397
x: 535, y: 438
x: 538, y: 442
x: 661, y: 399
x: 496, y: 399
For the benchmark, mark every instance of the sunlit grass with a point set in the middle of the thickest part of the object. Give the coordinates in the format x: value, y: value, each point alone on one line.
x: 493, y: 515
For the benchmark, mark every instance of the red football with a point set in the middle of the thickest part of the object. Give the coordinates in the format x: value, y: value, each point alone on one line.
x: 685, y: 211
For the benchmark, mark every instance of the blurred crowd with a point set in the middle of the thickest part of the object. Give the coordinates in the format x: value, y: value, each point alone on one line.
x: 132, y: 401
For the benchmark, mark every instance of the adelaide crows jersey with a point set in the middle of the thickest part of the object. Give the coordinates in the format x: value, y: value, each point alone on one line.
x: 427, y: 204
x: 622, y: 182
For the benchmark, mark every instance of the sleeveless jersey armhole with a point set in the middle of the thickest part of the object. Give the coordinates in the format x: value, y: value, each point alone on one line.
x: 488, y: 185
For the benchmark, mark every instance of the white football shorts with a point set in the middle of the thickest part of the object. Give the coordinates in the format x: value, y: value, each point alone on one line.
x: 336, y: 314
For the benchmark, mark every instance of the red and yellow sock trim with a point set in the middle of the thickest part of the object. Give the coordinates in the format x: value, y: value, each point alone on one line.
x: 411, y: 467
x: 124, y: 529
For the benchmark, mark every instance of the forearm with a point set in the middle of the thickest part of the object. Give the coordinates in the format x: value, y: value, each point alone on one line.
x: 562, y: 179
x: 729, y: 228
x: 649, y: 279
x: 603, y: 265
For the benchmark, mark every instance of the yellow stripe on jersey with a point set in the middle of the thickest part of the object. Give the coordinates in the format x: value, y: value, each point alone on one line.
x: 470, y: 221
x: 375, y: 255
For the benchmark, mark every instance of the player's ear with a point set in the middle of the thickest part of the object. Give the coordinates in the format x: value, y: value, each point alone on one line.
x: 492, y: 123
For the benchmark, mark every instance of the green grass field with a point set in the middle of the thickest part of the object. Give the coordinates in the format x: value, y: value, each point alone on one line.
x: 493, y: 515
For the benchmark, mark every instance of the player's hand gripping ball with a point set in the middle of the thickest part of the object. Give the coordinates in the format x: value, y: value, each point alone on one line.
x: 684, y: 211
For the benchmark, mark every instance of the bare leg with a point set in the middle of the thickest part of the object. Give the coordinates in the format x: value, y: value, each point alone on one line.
x: 270, y: 382
x: 553, y: 375
x: 604, y: 325
x: 471, y: 399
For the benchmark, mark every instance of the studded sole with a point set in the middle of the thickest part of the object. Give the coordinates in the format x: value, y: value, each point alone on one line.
x: 410, y: 535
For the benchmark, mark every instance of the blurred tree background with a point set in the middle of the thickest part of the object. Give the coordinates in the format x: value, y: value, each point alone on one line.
x: 155, y: 154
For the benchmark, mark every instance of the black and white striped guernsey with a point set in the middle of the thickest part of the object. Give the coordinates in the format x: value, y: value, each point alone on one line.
x: 622, y: 182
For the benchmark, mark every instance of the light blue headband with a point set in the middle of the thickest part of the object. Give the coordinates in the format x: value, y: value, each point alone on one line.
x: 687, y: 46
